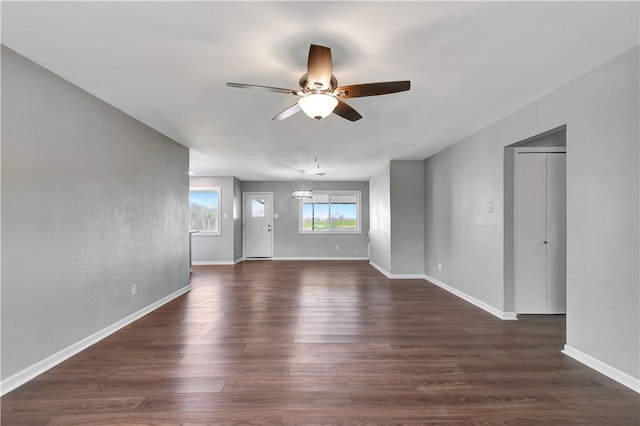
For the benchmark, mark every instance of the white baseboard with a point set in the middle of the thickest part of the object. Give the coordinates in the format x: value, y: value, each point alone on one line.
x: 238, y: 260
x: 407, y: 277
x: 479, y: 303
x: 510, y: 316
x: 213, y: 262
x: 22, y: 377
x: 380, y: 268
x: 613, y: 373
x: 396, y: 276
x: 320, y: 258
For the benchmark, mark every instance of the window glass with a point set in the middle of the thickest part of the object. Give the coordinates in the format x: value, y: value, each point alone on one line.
x: 330, y: 211
x: 257, y: 207
x: 344, y: 212
x: 204, y: 207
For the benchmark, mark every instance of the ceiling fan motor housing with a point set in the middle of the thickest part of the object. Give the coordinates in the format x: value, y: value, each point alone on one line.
x: 317, y: 87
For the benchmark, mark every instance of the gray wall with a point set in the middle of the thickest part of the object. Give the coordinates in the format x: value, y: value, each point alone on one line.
x: 218, y: 248
x: 461, y: 235
x: 92, y: 202
x: 600, y: 110
x: 397, y: 219
x: 287, y: 242
x: 380, y: 205
x: 407, y: 217
x: 237, y: 219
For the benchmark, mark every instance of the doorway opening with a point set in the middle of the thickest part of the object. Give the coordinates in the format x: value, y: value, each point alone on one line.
x: 535, y: 224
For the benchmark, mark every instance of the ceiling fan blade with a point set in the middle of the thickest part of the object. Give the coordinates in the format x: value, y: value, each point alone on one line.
x: 269, y: 88
x: 288, y: 112
x: 345, y: 111
x: 372, y: 89
x: 319, y: 66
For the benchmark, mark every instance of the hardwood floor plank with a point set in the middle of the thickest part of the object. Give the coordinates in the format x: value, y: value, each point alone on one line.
x: 275, y: 383
x: 440, y: 416
x: 238, y: 401
x: 323, y: 343
x: 75, y: 404
x: 182, y: 418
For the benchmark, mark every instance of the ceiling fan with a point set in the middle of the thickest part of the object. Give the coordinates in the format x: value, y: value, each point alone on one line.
x: 319, y: 93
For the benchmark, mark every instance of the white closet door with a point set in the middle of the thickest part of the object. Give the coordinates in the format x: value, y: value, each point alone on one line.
x: 530, y: 233
x: 556, y: 233
x: 541, y: 233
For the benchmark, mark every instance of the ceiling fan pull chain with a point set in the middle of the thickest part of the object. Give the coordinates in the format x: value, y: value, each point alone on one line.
x: 315, y: 142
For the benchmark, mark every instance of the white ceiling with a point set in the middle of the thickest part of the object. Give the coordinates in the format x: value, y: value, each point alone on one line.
x: 166, y: 64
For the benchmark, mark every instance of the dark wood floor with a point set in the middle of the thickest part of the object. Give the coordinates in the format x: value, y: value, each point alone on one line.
x: 331, y: 343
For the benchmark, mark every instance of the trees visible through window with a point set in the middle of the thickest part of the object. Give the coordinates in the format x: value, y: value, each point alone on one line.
x: 331, y: 211
x: 204, y: 208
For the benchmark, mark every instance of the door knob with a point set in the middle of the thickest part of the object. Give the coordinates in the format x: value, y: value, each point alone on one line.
x: 546, y: 242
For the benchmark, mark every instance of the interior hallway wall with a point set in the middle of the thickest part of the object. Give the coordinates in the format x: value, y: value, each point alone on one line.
x: 93, y: 201
x: 380, y: 206
x: 407, y: 217
x: 397, y: 230
x: 600, y: 110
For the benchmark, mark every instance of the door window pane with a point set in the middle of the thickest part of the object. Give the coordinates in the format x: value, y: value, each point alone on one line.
x: 257, y: 207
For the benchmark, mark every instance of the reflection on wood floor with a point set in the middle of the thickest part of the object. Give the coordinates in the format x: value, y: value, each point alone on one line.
x: 332, y: 343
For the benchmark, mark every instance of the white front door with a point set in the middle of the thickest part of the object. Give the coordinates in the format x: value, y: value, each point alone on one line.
x: 258, y: 223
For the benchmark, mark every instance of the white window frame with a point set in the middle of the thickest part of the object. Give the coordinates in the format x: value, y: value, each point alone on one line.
x: 208, y: 189
x: 330, y: 231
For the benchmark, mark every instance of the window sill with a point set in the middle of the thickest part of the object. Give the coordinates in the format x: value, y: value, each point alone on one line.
x: 206, y: 234
x: 330, y: 232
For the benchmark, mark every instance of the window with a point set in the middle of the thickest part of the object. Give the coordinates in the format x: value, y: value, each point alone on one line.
x: 204, y: 210
x: 330, y: 211
x: 257, y: 207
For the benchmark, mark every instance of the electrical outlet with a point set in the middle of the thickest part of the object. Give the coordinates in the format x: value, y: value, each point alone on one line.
x: 134, y: 289
x: 439, y: 266
x: 337, y: 248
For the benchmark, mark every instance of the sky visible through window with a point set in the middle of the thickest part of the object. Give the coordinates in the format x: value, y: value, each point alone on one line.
x: 321, y: 211
x: 207, y: 199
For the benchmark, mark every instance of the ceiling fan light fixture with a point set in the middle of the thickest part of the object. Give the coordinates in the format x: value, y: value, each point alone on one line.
x: 318, y: 105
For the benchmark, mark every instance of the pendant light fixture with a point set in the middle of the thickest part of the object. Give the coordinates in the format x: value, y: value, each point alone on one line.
x: 301, y: 193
